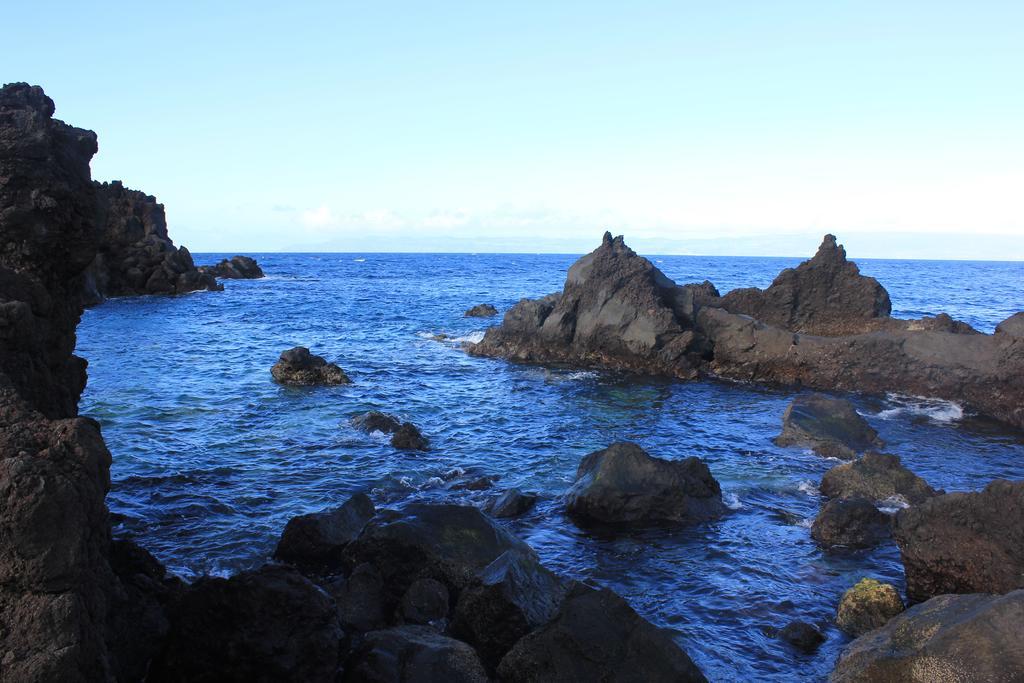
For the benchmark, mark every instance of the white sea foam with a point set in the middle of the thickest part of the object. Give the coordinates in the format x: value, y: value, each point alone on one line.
x: 893, y: 504
x: 934, y: 409
x: 808, y: 487
x: 581, y: 374
x: 359, y: 260
x: 453, y: 473
x: 731, y: 500
x: 806, y: 522
x: 472, y: 338
x: 433, y: 482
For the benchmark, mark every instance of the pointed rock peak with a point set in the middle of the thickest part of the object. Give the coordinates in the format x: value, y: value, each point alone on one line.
x: 606, y: 241
x: 829, y: 251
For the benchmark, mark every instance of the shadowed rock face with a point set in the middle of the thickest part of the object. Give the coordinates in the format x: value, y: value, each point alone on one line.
x: 316, y: 540
x: 826, y: 295
x: 876, y: 476
x: 948, y: 638
x: 136, y: 255
x: 414, y: 654
x: 964, y: 542
x: 850, y: 523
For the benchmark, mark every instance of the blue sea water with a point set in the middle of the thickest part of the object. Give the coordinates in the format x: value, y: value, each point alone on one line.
x: 211, y: 458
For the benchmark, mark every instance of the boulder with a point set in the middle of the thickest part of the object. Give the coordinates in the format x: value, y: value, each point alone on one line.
x: 622, y: 484
x: 481, y: 483
x: 481, y: 311
x: 235, y: 268
x: 964, y: 542
x: 425, y: 602
x: 511, y: 503
x: 948, y: 638
x: 299, y: 367
x: 513, y: 596
x: 596, y: 636
x: 1012, y: 326
x: 271, y: 624
x: 826, y: 295
x: 413, y: 654
x: 878, y: 477
x: 408, y: 437
x: 850, y: 523
x: 404, y: 435
x: 360, y: 598
x: 317, y: 539
x: 868, y: 605
x: 829, y: 426
x: 801, y: 635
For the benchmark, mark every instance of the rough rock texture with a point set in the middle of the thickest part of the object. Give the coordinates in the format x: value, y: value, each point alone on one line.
x: 413, y: 654
x: 949, y: 638
x: 514, y: 595
x: 481, y: 311
x: 868, y: 605
x: 1012, y: 326
x: 136, y: 255
x: 360, y: 598
x: 878, y: 477
x: 850, y: 523
x: 426, y: 601
x: 829, y: 426
x: 301, y: 368
x: 235, y: 268
x: 271, y: 624
x: 964, y: 542
x: 801, y: 635
x: 596, y: 636
x: 826, y: 295
x: 55, y: 578
x: 316, y: 540
x: 622, y: 484
x: 616, y: 310
x: 404, y: 435
x: 511, y: 503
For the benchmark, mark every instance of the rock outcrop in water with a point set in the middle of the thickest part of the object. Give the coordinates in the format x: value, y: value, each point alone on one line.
x: 618, y: 311
x: 868, y: 605
x: 136, y: 254
x: 299, y: 367
x: 481, y: 311
x: 850, y: 523
x: 964, y: 542
x: 829, y: 426
x: 317, y: 539
x: 878, y: 477
x: 622, y: 484
x: 404, y: 435
x: 235, y: 268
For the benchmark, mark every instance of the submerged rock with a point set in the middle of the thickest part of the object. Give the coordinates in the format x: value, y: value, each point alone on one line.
x: 481, y: 311
x: 868, y: 605
x: 801, y: 635
x: 408, y: 437
x: 404, y: 435
x: 876, y: 476
x: 948, y: 638
x: 826, y: 295
x: 622, y: 484
x: 829, y: 426
x: 851, y: 523
x: 511, y: 503
x: 235, y: 268
x: 964, y: 542
x: 271, y: 624
x: 299, y: 367
x: 317, y: 539
x: 413, y: 654
x: 596, y: 636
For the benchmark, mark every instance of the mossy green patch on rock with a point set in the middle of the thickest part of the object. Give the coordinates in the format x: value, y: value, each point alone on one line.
x: 868, y: 605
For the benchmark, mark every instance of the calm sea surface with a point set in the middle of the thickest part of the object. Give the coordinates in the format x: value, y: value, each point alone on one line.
x: 211, y: 458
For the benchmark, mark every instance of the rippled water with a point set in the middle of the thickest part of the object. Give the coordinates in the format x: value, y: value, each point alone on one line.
x: 211, y: 458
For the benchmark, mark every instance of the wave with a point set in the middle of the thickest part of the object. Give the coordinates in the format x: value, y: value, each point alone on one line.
x: 934, y: 409
x: 471, y: 338
x: 731, y: 500
x: 809, y: 488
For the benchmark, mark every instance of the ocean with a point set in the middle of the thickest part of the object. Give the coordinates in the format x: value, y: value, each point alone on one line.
x: 211, y: 458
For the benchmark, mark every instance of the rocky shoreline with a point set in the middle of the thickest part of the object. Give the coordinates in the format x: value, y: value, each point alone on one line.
x: 427, y: 592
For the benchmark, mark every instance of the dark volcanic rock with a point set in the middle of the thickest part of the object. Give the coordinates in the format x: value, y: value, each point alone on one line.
x: 1012, y: 326
x: 868, y: 605
x: 266, y: 625
x: 299, y: 367
x: 481, y: 311
x: 449, y: 543
x: 413, y: 654
x: 616, y: 310
x: 511, y: 503
x: 850, y: 523
x: 426, y: 601
x: 964, y: 542
x: 235, y: 268
x: 829, y: 426
x: 622, y: 484
x: 317, y: 539
x: 948, y: 638
x: 360, y: 598
x: 801, y: 635
x: 596, y: 636
x: 826, y: 295
x: 136, y: 255
x: 876, y: 476
x: 514, y: 595
x: 404, y: 435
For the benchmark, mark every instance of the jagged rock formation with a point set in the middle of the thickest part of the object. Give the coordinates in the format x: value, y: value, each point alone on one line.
x: 235, y: 268
x: 136, y: 255
x: 964, y: 542
x: 299, y: 367
x: 618, y: 311
x: 829, y: 426
x: 877, y: 477
x: 948, y: 638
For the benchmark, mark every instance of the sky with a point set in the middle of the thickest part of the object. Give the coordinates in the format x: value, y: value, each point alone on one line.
x: 742, y: 127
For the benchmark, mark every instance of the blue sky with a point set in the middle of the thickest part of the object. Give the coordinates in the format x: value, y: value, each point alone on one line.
x: 734, y: 127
